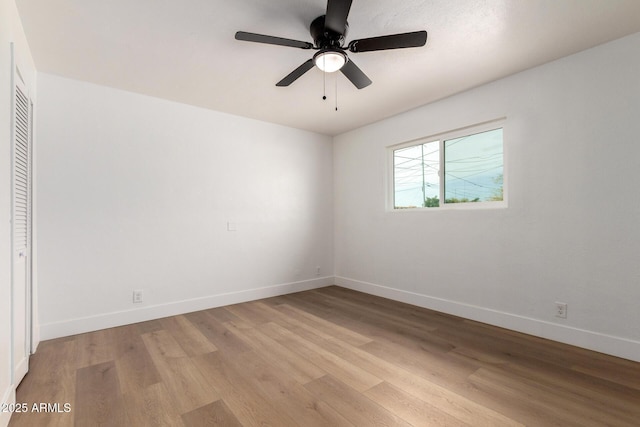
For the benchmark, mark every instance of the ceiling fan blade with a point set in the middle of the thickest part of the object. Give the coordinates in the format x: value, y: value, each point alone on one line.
x: 336, y: 17
x: 296, y: 74
x: 259, y: 38
x: 394, y: 41
x: 355, y: 74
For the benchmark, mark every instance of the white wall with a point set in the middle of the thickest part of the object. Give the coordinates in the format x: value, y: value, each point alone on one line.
x: 10, y: 32
x: 137, y: 192
x: 570, y: 233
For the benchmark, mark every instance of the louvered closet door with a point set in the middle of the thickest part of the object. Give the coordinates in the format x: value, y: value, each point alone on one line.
x: 21, y: 230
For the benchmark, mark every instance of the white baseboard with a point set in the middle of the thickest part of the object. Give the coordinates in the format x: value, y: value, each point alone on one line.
x: 21, y: 369
x: 608, y: 344
x: 35, y: 338
x: 120, y: 318
x: 612, y: 345
x: 8, y: 399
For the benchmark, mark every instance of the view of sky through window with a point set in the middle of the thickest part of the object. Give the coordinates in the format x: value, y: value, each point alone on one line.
x: 472, y: 171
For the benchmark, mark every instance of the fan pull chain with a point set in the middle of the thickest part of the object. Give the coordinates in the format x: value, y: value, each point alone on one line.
x: 336, y: 93
x: 324, y: 85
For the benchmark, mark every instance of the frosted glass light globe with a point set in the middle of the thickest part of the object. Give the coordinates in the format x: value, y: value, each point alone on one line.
x: 330, y: 61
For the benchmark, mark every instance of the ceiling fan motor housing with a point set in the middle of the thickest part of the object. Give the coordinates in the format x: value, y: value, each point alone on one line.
x: 324, y: 37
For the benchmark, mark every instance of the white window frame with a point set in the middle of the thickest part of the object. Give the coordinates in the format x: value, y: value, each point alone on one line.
x: 441, y: 138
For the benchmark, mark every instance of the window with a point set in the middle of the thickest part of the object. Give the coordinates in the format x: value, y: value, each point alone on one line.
x: 464, y: 167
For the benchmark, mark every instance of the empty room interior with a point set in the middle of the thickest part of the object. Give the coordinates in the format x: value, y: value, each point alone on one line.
x: 320, y: 213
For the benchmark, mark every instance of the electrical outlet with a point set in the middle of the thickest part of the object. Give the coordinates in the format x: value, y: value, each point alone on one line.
x: 561, y: 310
x: 137, y: 297
x: 317, y: 271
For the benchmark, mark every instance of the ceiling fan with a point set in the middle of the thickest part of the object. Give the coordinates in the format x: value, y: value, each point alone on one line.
x: 328, y: 32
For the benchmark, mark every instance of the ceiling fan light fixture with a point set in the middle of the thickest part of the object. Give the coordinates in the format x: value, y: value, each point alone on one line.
x: 329, y: 60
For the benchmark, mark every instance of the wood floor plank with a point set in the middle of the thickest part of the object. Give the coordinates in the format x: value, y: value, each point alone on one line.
x: 192, y: 341
x: 551, y: 400
x: 393, y: 315
x: 611, y: 399
x: 349, y: 373
x: 511, y: 347
x: 98, y: 398
x: 148, y: 326
x: 621, y: 402
x: 300, y: 368
x: 152, y: 407
x: 400, y: 314
x: 239, y: 394
x: 437, y: 367
x: 410, y: 408
x: 536, y: 412
x: 216, y: 332
x: 555, y: 352
x: 317, y: 323
x: 213, y: 414
x: 353, y: 405
x: 287, y: 395
x: 476, y: 357
x: 186, y: 385
x: 96, y: 347
x: 222, y: 314
x: 249, y: 313
x: 375, y: 324
x: 135, y: 368
x: 454, y: 404
x: 619, y: 372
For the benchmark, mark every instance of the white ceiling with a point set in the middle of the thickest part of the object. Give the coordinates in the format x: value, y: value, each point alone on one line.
x: 185, y: 51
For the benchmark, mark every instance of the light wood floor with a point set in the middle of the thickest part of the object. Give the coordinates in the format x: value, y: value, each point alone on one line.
x: 329, y: 357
